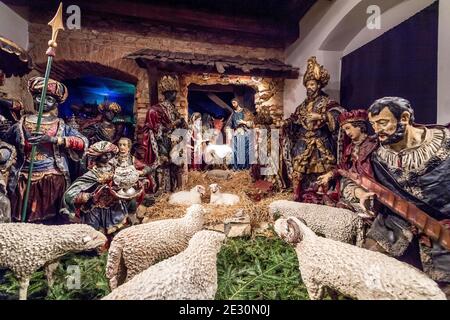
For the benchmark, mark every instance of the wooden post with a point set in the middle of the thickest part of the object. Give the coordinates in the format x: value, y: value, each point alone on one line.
x: 153, y: 76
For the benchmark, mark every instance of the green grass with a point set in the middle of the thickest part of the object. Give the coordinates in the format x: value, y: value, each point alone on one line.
x: 248, y: 269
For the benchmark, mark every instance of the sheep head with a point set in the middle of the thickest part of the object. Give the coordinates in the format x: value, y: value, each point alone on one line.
x: 200, y: 189
x: 290, y: 230
x: 214, y: 188
x: 81, y: 237
x: 196, y: 211
x: 208, y: 238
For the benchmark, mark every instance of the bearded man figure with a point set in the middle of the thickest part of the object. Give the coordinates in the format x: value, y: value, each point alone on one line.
x: 55, y: 144
x: 310, y: 136
x: 413, y: 161
x: 160, y: 122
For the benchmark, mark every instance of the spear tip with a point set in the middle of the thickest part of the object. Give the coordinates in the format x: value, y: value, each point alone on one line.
x: 57, y: 24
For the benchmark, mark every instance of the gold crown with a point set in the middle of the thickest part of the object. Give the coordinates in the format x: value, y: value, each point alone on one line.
x: 168, y: 83
x: 314, y: 71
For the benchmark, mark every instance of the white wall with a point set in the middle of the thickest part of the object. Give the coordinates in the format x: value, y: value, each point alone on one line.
x: 13, y: 26
x: 332, y: 29
x: 443, y: 115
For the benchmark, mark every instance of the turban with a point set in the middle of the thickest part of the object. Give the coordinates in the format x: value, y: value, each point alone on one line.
x: 314, y: 71
x: 102, y: 147
x: 54, y: 88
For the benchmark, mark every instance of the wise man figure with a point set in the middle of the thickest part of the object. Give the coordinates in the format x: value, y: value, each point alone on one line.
x: 160, y: 122
x: 55, y: 144
x: 102, y: 128
x: 89, y: 199
x: 357, y: 147
x: 413, y: 161
x: 310, y: 136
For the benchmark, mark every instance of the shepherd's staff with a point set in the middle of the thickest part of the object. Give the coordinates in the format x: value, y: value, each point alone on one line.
x: 57, y: 24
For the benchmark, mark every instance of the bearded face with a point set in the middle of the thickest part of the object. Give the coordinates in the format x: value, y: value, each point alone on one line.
x: 388, y: 128
x: 170, y: 96
x: 312, y: 88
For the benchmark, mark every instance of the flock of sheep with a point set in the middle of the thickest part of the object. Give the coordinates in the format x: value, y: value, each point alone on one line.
x: 177, y: 258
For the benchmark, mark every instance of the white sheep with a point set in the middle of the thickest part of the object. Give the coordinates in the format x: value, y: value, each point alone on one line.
x: 26, y: 247
x: 219, y: 198
x: 354, y: 272
x: 190, y: 275
x: 187, y: 198
x: 329, y: 222
x: 138, y: 247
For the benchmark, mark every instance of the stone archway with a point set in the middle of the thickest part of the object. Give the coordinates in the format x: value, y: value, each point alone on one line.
x: 268, y: 96
x: 125, y: 70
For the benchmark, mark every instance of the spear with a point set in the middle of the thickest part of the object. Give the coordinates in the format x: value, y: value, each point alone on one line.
x: 57, y: 24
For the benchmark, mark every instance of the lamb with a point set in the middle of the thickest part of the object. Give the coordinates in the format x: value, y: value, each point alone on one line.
x: 193, y: 196
x: 333, y: 223
x: 26, y: 247
x: 355, y: 272
x: 219, y: 198
x: 190, y: 275
x: 138, y: 247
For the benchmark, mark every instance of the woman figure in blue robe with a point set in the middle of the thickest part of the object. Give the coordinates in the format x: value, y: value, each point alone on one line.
x: 241, y: 121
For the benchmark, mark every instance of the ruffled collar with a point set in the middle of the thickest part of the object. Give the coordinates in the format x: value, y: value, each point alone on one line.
x: 416, y: 158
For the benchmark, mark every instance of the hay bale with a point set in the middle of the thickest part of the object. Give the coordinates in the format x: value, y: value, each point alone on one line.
x: 239, y: 183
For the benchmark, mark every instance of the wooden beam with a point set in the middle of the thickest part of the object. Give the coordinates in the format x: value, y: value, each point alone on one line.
x: 153, y: 76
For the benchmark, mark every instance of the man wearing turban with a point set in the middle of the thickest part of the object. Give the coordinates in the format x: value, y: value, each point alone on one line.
x: 89, y: 198
x: 310, y: 136
x: 160, y: 122
x: 55, y: 144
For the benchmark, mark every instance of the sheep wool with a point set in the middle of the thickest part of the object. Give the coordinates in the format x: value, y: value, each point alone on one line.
x: 190, y: 275
x: 354, y: 272
x: 333, y: 223
x: 136, y: 248
x: 26, y: 247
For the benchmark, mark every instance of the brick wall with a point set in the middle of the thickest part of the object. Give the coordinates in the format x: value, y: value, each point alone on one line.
x: 99, y: 50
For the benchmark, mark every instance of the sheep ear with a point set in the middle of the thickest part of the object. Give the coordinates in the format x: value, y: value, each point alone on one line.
x: 294, y: 234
